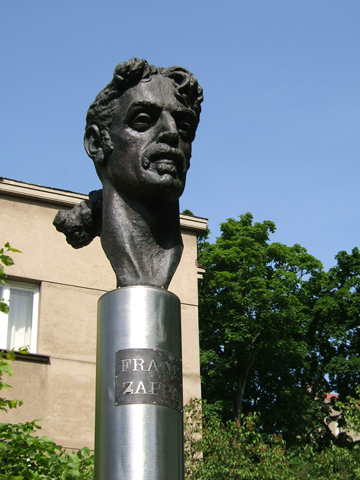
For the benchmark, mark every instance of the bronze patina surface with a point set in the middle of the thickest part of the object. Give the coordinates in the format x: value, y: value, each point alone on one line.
x: 139, y: 132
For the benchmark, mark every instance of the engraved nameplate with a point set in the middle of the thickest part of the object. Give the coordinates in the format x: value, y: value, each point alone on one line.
x: 148, y: 376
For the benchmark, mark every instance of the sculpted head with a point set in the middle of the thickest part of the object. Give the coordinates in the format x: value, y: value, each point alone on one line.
x: 140, y: 128
x: 139, y: 133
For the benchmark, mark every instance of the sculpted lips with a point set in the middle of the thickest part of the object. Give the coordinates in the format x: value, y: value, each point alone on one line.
x: 167, y: 160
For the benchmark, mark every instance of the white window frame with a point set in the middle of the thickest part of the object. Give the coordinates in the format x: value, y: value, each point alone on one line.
x: 5, y: 294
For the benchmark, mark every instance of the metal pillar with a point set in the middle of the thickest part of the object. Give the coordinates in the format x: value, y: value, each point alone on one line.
x: 139, y: 424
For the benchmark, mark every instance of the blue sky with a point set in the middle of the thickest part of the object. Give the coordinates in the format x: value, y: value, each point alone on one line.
x: 279, y: 132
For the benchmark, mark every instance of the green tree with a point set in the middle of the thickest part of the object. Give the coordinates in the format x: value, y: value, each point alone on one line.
x: 350, y: 412
x: 229, y: 451
x: 336, y: 325
x: 260, y: 348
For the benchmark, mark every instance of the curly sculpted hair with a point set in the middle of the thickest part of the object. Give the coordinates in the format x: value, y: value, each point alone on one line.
x: 127, y: 75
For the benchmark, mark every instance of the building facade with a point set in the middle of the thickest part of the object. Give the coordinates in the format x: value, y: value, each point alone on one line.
x: 53, y: 291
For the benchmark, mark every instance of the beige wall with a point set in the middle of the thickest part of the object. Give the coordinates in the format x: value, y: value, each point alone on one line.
x: 71, y: 282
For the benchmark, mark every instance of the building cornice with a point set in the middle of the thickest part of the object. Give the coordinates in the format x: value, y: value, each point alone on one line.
x: 40, y: 193
x: 64, y: 198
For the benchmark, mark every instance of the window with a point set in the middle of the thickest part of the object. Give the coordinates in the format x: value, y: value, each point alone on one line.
x: 19, y: 327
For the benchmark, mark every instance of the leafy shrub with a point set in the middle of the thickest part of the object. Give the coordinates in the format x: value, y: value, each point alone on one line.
x: 214, y: 451
x: 25, y: 456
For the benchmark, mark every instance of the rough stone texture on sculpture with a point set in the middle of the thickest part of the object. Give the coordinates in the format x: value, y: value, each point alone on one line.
x: 139, y: 132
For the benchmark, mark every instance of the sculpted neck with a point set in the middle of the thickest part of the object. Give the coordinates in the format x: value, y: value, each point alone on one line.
x: 142, y: 241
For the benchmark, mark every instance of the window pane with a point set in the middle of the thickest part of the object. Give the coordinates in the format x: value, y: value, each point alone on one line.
x: 20, y: 313
x: 3, y: 318
x: 4, y: 293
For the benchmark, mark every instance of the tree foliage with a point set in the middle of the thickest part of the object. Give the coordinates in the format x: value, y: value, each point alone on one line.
x: 276, y: 331
x: 24, y: 455
x: 6, y: 358
x: 350, y: 412
x: 5, y: 261
x: 229, y: 451
x: 337, y: 324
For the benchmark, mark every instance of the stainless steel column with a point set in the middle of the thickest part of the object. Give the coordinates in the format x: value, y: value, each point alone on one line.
x: 139, y: 425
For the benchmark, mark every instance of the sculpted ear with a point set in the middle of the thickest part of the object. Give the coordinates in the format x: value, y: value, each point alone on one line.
x: 92, y: 144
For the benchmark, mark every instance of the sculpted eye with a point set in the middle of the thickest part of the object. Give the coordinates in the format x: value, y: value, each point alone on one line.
x: 184, y: 129
x: 141, y: 122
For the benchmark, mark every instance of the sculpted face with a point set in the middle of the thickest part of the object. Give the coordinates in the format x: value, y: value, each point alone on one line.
x: 151, y: 134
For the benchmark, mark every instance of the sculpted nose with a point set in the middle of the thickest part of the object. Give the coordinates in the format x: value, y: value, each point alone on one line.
x: 169, y: 133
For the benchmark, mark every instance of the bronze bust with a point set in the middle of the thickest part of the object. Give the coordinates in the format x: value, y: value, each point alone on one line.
x: 139, y: 132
